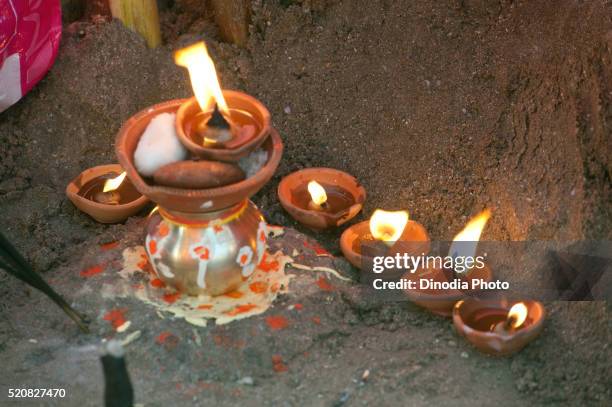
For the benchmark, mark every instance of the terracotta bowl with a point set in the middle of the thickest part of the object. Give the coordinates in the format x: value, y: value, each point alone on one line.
x: 441, y: 302
x: 466, y: 313
x: 101, y: 212
x: 190, y: 200
x: 315, y: 219
x: 414, y: 241
x: 236, y: 101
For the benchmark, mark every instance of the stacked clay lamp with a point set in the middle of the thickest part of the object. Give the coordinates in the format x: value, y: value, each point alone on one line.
x: 200, y: 160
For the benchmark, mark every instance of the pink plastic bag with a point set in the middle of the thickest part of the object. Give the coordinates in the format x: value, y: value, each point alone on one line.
x: 30, y: 32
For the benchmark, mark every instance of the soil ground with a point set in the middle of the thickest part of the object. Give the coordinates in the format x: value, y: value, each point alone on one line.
x: 439, y: 107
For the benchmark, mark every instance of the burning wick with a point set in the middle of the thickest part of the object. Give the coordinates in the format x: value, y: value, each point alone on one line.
x: 388, y: 226
x: 515, y: 319
x: 217, y: 129
x: 109, y: 194
x: 318, y: 197
x: 208, y: 93
x: 217, y: 120
x: 465, y: 242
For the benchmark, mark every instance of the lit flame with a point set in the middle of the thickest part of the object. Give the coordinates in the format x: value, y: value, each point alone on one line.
x: 317, y: 193
x: 114, y: 183
x: 203, y: 76
x: 517, y: 315
x: 388, y: 226
x: 466, y: 241
x: 471, y: 232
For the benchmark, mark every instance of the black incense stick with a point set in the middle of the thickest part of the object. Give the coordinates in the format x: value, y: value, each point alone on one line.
x: 118, y: 391
x: 15, y: 264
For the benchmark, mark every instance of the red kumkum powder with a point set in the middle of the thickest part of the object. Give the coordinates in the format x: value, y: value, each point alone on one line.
x: 171, y: 298
x: 157, y: 283
x: 92, y: 271
x: 277, y: 322
x: 109, y: 245
x: 234, y: 294
x: 259, y: 287
x: 116, y: 317
x: 324, y: 284
x: 241, y: 309
x: 278, y: 365
x: 268, y: 266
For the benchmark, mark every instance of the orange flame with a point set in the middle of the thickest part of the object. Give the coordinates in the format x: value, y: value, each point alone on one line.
x: 517, y: 315
x: 114, y: 183
x: 388, y: 226
x: 466, y: 241
x: 204, y: 80
x: 472, y: 231
x: 317, y: 193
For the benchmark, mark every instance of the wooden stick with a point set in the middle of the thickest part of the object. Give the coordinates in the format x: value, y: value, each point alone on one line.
x: 233, y: 17
x: 140, y: 16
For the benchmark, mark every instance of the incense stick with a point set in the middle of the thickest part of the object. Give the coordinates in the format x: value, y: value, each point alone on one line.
x: 14, y: 263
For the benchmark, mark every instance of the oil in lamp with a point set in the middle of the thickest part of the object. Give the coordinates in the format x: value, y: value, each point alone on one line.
x: 205, y: 240
x: 321, y: 198
x: 497, y: 328
x: 441, y: 301
x: 103, y: 193
x: 392, y: 229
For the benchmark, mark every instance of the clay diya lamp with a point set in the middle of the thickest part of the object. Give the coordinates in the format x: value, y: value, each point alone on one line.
x: 385, y: 234
x: 103, y: 193
x: 496, y: 327
x: 321, y: 198
x: 221, y: 125
x: 438, y: 300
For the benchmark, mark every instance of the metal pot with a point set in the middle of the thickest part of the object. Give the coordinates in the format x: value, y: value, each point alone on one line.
x: 206, y: 253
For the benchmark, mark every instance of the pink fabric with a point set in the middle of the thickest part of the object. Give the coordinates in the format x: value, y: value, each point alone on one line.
x: 30, y: 32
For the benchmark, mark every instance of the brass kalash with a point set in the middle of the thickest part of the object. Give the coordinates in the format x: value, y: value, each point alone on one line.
x: 206, y: 241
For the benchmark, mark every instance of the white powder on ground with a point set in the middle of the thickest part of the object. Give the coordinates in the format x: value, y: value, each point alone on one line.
x: 159, y: 145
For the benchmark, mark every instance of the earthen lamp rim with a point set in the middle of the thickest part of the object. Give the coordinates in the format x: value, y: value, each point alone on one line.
x: 225, y: 154
x: 284, y: 193
x: 351, y: 234
x: 519, y: 333
x: 499, y: 343
x: 72, y: 192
